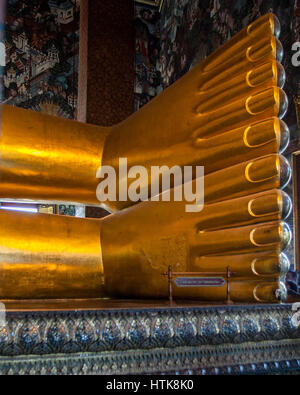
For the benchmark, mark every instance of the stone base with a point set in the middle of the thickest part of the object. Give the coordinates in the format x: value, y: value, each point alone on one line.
x: 151, y: 339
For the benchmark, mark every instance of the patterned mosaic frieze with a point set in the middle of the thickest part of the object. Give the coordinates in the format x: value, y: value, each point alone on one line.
x: 123, y: 330
x: 265, y: 358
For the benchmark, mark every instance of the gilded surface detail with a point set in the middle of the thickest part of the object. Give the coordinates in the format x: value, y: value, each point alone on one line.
x: 225, y: 115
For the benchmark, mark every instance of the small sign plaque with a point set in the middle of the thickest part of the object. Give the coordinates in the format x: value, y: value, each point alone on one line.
x: 199, y: 282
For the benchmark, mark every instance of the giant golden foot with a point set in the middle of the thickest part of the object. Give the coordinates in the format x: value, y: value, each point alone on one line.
x: 223, y: 112
x: 125, y: 254
x: 224, y: 115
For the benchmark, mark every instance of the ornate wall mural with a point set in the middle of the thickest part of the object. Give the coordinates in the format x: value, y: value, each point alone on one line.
x: 192, y: 29
x: 42, y: 40
x: 147, y: 45
x: 189, y: 30
x: 155, y: 3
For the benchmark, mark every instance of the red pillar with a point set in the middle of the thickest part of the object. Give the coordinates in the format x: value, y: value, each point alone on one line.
x: 106, y: 65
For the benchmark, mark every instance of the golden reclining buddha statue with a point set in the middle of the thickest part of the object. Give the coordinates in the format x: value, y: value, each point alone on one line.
x: 225, y: 115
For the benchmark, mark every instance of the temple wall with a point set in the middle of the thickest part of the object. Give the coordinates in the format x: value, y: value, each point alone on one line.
x: 193, y: 29
x: 110, y: 66
x: 42, y: 45
x: 148, y: 81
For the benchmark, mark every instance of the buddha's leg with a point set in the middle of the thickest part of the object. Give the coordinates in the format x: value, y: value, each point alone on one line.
x: 125, y: 254
x: 47, y: 256
x: 221, y: 113
x: 48, y: 158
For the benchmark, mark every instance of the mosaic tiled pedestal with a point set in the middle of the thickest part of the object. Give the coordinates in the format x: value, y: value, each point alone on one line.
x: 150, y: 339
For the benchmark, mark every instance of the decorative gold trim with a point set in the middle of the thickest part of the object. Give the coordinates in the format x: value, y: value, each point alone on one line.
x: 155, y: 3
